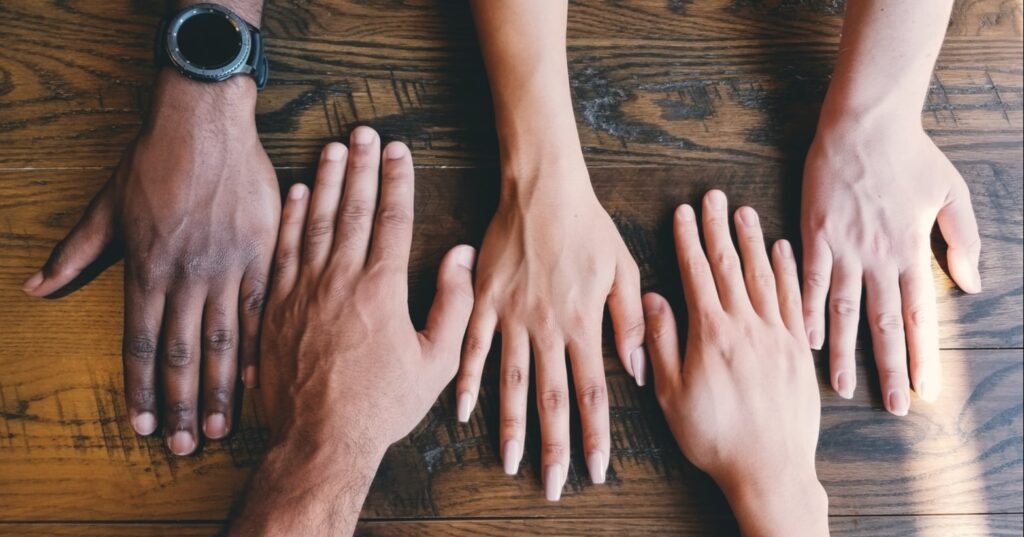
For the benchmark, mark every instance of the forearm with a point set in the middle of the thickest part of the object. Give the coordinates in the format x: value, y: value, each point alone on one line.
x: 303, y: 487
x: 784, y: 504
x: 250, y: 10
x: 523, y: 45
x: 886, y: 56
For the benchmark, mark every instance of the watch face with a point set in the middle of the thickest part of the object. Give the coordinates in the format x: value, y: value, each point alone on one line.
x: 209, y: 40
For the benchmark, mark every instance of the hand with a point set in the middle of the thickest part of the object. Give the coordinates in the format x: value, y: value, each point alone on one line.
x: 344, y: 373
x: 194, y: 204
x: 550, y: 260
x: 743, y: 404
x: 870, y: 199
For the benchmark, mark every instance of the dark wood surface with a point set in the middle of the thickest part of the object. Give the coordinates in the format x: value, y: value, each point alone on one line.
x: 672, y: 98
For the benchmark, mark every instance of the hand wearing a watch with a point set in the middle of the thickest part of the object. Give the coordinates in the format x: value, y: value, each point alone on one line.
x: 194, y: 206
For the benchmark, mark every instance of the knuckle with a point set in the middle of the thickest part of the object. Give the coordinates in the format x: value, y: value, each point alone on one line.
x: 219, y: 396
x: 179, y: 354
x: 476, y: 346
x: 394, y: 215
x: 763, y: 278
x: 512, y: 424
x: 181, y: 412
x: 816, y: 279
x: 554, y: 401
x: 514, y: 377
x: 888, y: 323
x: 220, y: 340
x: 593, y: 396
x: 726, y: 261
x: 355, y: 210
x: 634, y: 328
x: 554, y: 450
x: 920, y: 315
x: 696, y: 265
x: 142, y: 349
x: 142, y: 397
x: 188, y: 267
x: 711, y: 330
x: 255, y: 298
x: 320, y: 228
x: 844, y: 308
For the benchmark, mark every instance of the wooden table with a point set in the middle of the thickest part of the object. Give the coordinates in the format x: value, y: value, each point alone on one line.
x: 672, y: 97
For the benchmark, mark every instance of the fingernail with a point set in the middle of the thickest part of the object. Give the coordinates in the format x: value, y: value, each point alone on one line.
x: 510, y: 455
x: 785, y: 249
x: 553, y: 482
x: 297, y: 192
x: 927, y: 392
x: 716, y: 199
x: 844, y: 385
x: 899, y: 402
x: 334, y: 152
x: 215, y: 426
x: 638, y: 359
x: 974, y: 286
x: 465, y: 406
x: 595, y: 465
x: 748, y: 216
x: 814, y: 339
x: 33, y: 281
x: 249, y: 378
x: 466, y: 257
x: 144, y: 423
x: 181, y: 443
x: 362, y: 135
x: 395, y: 150
x: 686, y: 213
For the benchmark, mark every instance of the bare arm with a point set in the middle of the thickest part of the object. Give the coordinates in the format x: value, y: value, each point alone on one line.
x: 874, y: 185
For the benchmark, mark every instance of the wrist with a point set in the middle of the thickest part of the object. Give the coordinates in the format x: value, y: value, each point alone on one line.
x: 847, y: 108
x: 783, y: 503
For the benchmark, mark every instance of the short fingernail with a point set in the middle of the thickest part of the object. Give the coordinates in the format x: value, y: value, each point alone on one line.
x: 334, y: 152
x: 362, y: 135
x: 553, y: 482
x: 510, y: 455
x: 814, y: 338
x: 215, y: 426
x: 395, y: 150
x: 181, y: 443
x: 844, y: 385
x: 927, y: 391
x: 33, y: 281
x: 785, y: 249
x: 686, y: 213
x: 716, y: 199
x: 899, y: 402
x: 297, y: 192
x: 249, y: 377
x: 464, y: 406
x: 748, y: 216
x: 638, y: 359
x: 466, y: 257
x: 596, y: 467
x: 144, y: 423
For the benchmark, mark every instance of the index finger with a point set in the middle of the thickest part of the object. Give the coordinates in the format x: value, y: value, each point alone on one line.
x: 698, y: 284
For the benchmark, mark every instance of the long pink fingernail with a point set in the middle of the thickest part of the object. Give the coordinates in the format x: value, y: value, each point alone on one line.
x: 510, y: 456
x: 464, y: 406
x: 596, y: 467
x: 553, y: 482
x: 638, y: 359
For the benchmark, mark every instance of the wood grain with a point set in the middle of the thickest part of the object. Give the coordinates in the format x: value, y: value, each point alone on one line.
x: 654, y: 81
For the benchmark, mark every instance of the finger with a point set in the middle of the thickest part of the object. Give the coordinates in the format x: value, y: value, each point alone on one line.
x: 482, y: 323
x: 449, y: 315
x: 918, y: 291
x: 757, y: 271
x: 355, y: 218
x: 592, y: 398
x: 392, y: 230
x: 143, y: 315
x: 252, y: 298
x: 888, y: 339
x: 323, y: 210
x: 787, y: 283
x: 289, y: 240
x: 844, y: 316
x: 514, y: 395
x: 663, y: 340
x: 960, y: 229
x: 698, y: 284
x: 82, y: 245
x: 817, y: 274
x: 553, y: 408
x: 220, y: 360
x: 725, y: 263
x: 179, y: 362
x: 627, y: 315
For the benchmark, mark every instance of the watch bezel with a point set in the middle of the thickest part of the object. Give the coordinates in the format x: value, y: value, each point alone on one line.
x: 235, y: 66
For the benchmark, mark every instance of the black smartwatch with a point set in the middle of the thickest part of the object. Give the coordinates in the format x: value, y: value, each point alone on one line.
x: 210, y: 43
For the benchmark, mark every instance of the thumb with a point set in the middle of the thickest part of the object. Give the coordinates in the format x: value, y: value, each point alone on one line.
x: 78, y: 249
x: 960, y: 229
x: 448, y: 317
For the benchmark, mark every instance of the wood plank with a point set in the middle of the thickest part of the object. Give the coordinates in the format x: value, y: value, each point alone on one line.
x: 959, y: 525
x: 654, y: 82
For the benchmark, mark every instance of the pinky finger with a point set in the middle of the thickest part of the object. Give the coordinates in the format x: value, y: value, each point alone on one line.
x: 482, y: 323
